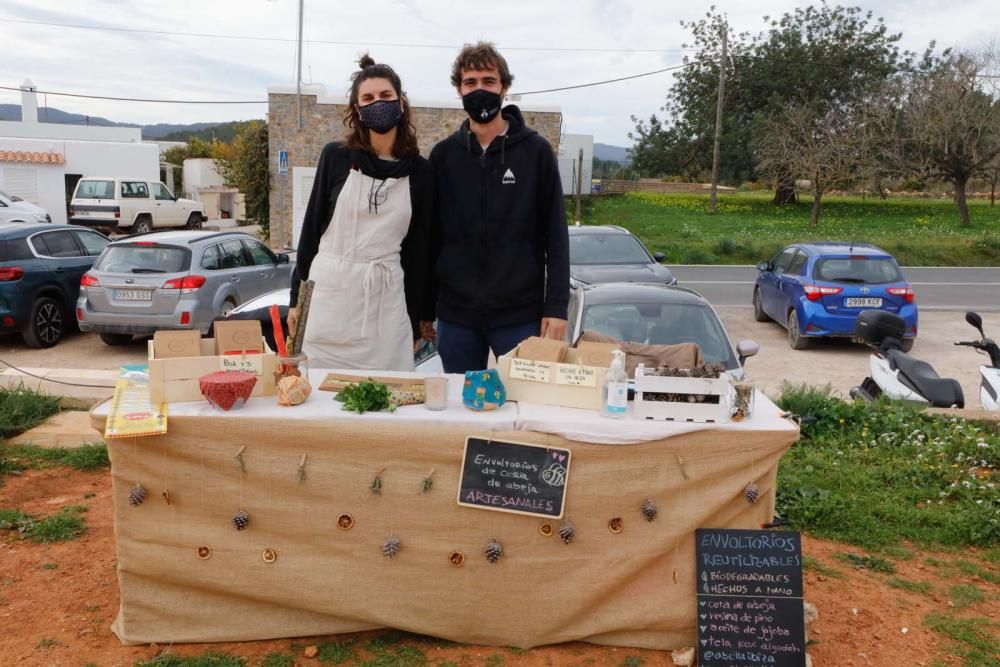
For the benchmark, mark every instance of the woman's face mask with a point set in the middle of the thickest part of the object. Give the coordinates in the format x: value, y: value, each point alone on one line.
x: 382, y: 115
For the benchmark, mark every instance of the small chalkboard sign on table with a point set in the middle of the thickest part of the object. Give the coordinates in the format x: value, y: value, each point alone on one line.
x: 514, y: 477
x: 750, y: 598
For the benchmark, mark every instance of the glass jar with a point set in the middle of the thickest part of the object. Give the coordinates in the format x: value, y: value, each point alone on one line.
x: 436, y: 392
x: 292, y: 364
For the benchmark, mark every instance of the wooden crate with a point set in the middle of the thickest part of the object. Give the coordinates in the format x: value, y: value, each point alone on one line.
x: 716, y: 406
x: 553, y: 383
x: 176, y: 379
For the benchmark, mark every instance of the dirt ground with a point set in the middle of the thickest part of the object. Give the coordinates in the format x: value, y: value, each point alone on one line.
x: 57, y: 601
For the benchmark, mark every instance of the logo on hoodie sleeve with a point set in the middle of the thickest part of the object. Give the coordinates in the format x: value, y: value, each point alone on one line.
x: 508, y: 178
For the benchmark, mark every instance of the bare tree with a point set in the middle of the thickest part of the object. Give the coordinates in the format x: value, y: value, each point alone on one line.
x: 951, y: 121
x: 991, y: 174
x: 829, y: 147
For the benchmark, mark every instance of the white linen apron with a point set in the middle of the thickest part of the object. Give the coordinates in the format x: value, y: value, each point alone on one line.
x: 358, y: 317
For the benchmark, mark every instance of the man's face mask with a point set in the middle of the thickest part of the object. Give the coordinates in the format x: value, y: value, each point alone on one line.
x: 481, y: 105
x: 381, y: 116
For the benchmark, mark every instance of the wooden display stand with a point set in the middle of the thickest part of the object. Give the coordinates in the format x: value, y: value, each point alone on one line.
x: 692, y: 399
x: 176, y: 378
x: 567, y: 384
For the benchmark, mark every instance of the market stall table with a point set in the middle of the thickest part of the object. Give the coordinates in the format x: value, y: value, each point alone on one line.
x: 324, y: 489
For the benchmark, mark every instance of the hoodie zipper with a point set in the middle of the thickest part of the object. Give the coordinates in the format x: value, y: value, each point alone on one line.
x: 484, y: 207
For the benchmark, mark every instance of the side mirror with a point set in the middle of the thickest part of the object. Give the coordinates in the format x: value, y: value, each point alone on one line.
x: 282, y: 258
x: 746, y: 349
x: 659, y: 256
x: 975, y: 320
x: 764, y: 266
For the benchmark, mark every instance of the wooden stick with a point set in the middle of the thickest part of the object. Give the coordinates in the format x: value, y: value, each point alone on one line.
x: 304, y: 304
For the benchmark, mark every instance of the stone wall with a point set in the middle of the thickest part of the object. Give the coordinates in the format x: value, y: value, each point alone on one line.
x: 321, y: 124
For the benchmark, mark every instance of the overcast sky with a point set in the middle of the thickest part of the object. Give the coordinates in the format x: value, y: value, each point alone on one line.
x: 615, y: 38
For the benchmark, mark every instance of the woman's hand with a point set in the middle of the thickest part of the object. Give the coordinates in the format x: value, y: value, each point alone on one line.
x: 427, y: 331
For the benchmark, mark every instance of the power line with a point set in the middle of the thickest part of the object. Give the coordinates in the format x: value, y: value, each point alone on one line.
x: 601, y: 83
x: 327, y: 41
x: 138, y: 99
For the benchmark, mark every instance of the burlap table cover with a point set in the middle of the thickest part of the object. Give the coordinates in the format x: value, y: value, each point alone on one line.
x: 634, y: 588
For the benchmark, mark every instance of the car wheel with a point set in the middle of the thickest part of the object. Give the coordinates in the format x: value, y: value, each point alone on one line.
x: 46, y: 325
x: 758, y: 308
x: 227, y: 307
x: 116, y: 340
x: 194, y: 221
x: 142, y: 226
x: 907, y: 344
x: 795, y: 338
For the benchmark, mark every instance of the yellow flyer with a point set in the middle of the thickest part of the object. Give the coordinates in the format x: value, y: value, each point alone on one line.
x: 131, y: 414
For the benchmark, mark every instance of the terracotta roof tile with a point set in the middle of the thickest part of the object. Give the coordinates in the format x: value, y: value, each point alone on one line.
x: 32, y: 157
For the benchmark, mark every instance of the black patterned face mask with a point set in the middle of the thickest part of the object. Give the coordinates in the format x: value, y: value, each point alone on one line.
x: 381, y: 116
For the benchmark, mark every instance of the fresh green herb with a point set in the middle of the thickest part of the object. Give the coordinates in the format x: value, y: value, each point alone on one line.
x: 367, y: 396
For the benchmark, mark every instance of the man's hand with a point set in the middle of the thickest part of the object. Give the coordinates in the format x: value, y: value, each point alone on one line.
x: 553, y: 327
x: 292, y: 318
x: 427, y: 331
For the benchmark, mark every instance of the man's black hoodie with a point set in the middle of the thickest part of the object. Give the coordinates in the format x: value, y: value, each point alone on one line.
x: 503, y: 249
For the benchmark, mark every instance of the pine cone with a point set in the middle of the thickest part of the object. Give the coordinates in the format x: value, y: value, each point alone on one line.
x: 241, y: 519
x: 493, y: 551
x: 649, y: 510
x: 751, y: 492
x: 136, y: 495
x: 566, y: 532
x: 391, y: 547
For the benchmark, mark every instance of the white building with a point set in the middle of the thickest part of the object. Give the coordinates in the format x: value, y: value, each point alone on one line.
x: 203, y: 183
x: 41, y: 162
x: 570, y: 146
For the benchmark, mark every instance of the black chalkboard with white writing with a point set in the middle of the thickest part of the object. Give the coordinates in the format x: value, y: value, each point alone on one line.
x: 750, y: 598
x: 514, y: 477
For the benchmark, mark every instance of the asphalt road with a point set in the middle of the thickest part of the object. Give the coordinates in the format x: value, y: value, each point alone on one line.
x: 960, y: 289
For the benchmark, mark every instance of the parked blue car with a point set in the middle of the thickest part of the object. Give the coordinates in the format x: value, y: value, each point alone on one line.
x: 817, y: 290
x: 40, y: 269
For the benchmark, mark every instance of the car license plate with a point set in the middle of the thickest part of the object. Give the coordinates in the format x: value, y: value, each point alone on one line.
x: 133, y: 295
x: 863, y: 302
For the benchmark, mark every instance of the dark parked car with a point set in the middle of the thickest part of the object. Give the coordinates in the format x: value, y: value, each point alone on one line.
x: 609, y: 254
x: 40, y: 269
x: 655, y: 314
x: 817, y: 290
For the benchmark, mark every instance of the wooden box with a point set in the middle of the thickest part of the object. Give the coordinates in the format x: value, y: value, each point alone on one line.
x: 568, y: 383
x: 176, y: 379
x: 673, y: 398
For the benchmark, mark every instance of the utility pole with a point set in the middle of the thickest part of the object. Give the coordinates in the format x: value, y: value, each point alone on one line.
x: 579, y: 185
x: 298, y: 76
x: 718, y: 120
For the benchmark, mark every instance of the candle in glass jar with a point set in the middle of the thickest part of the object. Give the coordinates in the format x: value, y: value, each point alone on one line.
x: 436, y: 390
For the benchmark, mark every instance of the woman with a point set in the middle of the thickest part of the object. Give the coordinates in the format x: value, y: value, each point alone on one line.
x: 365, y: 235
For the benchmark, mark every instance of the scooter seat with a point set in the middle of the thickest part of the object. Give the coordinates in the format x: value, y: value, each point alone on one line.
x: 921, y: 377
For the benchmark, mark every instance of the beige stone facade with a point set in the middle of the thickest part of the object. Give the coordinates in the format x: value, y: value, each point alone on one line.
x: 321, y: 124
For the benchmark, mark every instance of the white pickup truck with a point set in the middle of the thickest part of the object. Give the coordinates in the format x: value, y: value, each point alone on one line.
x: 132, y: 203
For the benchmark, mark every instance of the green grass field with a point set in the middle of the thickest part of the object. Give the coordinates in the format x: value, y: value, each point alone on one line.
x: 748, y: 228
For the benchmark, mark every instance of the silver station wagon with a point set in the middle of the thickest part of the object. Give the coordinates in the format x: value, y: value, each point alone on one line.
x: 175, y: 280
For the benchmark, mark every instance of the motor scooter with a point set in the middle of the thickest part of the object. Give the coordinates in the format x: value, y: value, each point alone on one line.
x: 895, y: 374
x: 989, y: 386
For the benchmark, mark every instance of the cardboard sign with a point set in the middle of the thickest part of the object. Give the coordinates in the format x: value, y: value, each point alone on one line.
x: 174, y: 344
x: 514, y: 477
x: 750, y: 598
x: 238, y: 336
x: 533, y: 371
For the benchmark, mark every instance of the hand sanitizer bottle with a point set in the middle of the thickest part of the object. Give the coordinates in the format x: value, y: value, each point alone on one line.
x: 614, y: 394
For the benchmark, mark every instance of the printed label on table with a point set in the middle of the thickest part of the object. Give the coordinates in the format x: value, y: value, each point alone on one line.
x: 250, y: 363
x: 533, y: 371
x: 577, y: 376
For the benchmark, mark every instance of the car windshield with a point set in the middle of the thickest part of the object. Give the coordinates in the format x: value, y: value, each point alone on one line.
x: 10, y: 197
x: 861, y: 270
x: 143, y: 259
x: 606, y: 249
x: 663, y: 324
x: 96, y: 190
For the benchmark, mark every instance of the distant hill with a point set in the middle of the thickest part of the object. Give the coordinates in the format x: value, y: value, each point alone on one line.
x: 224, y: 131
x: 611, y: 153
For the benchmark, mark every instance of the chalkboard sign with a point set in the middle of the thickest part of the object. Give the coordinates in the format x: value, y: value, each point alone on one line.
x: 750, y: 598
x: 514, y: 477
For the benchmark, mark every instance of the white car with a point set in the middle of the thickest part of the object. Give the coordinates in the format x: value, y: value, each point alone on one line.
x: 136, y: 205
x: 15, y: 209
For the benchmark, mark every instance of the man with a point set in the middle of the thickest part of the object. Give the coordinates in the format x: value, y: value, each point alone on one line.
x: 502, y: 245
